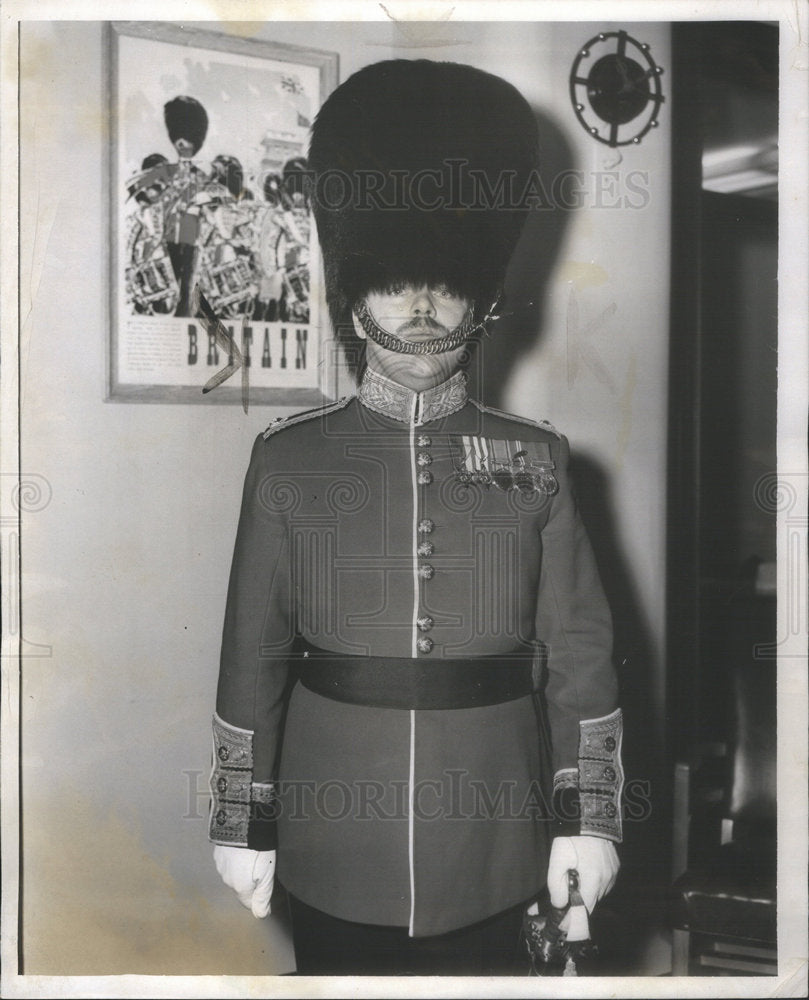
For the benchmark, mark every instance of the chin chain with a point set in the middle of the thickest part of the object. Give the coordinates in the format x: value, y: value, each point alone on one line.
x: 440, y: 345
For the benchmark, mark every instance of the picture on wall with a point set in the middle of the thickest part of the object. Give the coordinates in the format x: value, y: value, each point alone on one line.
x: 209, y: 216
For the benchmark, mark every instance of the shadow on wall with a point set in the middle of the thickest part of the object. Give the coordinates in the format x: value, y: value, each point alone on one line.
x: 521, y: 326
x: 637, y: 907
x: 513, y: 336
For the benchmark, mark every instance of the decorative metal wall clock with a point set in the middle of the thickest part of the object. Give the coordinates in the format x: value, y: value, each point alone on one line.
x: 615, y: 82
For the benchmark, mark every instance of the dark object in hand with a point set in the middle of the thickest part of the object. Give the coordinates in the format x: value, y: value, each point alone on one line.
x: 550, y: 952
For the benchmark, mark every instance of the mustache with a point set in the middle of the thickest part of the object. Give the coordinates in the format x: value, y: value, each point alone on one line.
x: 423, y: 324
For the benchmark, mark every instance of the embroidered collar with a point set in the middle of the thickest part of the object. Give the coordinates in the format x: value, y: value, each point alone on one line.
x: 385, y: 396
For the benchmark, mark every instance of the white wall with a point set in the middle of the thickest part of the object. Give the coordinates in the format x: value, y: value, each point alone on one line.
x: 125, y: 568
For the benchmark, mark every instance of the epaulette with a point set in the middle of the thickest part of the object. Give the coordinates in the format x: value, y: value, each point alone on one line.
x: 543, y: 425
x: 281, y: 423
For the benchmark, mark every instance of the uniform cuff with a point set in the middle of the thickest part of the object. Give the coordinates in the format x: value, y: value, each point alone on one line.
x: 601, y: 776
x: 231, y: 778
x: 587, y: 798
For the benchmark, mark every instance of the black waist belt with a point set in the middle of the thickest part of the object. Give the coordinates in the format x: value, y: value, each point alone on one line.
x: 398, y: 682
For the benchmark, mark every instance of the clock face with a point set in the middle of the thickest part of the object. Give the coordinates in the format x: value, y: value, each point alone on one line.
x: 615, y: 96
x: 618, y: 89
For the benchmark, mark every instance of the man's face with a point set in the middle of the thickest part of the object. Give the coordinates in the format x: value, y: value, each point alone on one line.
x: 185, y: 148
x: 417, y: 314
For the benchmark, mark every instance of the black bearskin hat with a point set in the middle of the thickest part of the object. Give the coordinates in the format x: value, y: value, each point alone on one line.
x: 419, y: 173
x: 227, y: 171
x: 295, y: 176
x: 272, y: 189
x: 186, y: 118
x: 153, y: 160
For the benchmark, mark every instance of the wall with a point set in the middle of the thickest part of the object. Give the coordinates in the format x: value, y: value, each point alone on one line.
x: 125, y: 568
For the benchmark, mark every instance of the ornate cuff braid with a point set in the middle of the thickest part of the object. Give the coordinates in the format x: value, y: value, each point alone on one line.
x: 587, y: 799
x: 601, y: 776
x: 231, y: 779
x: 243, y: 811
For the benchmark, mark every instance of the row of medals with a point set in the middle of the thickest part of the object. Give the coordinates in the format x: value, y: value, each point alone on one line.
x: 506, y: 479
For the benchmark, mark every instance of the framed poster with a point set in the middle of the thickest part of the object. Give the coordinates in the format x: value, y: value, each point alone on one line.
x: 210, y: 221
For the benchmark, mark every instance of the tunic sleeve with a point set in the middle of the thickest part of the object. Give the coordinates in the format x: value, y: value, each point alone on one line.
x: 256, y: 643
x: 575, y: 626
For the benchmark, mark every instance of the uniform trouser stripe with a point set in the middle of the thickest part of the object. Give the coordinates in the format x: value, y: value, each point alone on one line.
x: 410, y: 828
x: 414, y: 653
x: 414, y: 537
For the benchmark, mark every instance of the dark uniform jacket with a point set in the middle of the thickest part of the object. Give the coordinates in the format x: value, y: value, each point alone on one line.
x: 416, y: 647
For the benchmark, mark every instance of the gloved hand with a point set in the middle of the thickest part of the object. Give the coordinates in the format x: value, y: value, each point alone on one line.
x: 596, y: 861
x: 250, y: 873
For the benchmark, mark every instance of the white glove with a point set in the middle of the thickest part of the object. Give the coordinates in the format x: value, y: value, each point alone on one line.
x: 250, y: 873
x: 596, y: 861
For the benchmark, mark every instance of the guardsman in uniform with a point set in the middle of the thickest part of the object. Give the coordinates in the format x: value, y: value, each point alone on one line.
x: 187, y: 125
x: 416, y: 711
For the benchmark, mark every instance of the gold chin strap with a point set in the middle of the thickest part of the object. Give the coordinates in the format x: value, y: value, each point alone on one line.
x: 440, y: 345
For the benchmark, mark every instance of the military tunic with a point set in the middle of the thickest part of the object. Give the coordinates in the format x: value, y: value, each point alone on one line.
x: 399, y: 533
